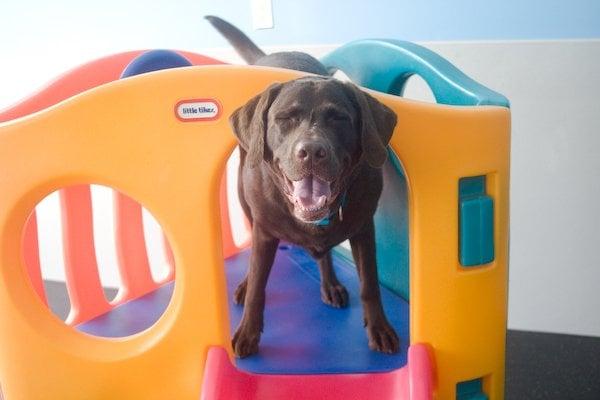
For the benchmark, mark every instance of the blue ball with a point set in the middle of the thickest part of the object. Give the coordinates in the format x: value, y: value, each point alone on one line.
x: 154, y: 60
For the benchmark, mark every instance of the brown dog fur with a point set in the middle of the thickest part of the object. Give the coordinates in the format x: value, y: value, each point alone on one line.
x: 327, y: 132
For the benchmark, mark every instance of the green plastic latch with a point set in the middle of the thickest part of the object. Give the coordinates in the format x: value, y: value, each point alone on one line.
x: 476, y: 219
x: 470, y: 390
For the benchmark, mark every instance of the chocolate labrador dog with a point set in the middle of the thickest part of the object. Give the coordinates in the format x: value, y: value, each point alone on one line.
x: 311, y: 152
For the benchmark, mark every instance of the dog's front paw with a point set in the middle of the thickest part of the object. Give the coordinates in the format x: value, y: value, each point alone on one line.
x: 334, y: 295
x: 245, y: 341
x: 382, y: 337
x: 239, y: 296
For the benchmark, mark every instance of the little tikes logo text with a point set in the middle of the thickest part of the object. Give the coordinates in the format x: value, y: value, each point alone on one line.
x: 198, y: 110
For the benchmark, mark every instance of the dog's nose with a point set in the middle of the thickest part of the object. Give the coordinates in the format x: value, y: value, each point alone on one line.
x: 310, y: 151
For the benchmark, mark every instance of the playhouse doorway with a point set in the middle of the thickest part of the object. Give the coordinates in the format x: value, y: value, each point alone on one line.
x: 302, y: 335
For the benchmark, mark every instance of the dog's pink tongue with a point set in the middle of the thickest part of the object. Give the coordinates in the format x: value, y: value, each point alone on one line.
x: 311, y: 192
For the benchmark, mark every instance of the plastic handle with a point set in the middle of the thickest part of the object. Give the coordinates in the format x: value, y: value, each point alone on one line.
x: 386, y: 65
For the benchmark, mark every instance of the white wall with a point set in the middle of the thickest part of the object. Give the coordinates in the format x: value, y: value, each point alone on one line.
x: 555, y: 212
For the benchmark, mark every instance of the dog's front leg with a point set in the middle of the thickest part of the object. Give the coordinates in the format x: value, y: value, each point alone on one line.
x: 332, y: 291
x: 246, y: 338
x: 382, y: 336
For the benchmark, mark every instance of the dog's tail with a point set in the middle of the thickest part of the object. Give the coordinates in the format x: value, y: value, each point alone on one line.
x: 240, y: 42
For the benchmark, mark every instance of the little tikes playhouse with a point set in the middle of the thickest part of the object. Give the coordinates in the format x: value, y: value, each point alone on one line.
x: 163, y: 139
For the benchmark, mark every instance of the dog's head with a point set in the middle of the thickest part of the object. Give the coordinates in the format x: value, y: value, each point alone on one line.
x: 312, y: 133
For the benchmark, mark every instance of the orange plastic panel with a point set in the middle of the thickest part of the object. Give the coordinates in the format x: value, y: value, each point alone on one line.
x: 133, y: 265
x: 31, y: 255
x: 461, y: 313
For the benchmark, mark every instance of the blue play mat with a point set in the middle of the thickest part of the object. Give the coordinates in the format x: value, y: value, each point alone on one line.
x: 301, y: 334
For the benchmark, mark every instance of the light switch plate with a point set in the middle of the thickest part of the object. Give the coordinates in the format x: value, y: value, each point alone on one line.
x: 262, y: 14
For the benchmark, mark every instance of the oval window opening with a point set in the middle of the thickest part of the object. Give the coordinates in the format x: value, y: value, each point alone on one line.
x: 99, y: 260
x: 416, y: 88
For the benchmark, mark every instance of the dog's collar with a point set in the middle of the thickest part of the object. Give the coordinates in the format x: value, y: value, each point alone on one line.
x: 327, y: 220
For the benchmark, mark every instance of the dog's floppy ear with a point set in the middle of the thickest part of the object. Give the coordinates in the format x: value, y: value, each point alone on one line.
x: 249, y: 124
x: 377, y: 125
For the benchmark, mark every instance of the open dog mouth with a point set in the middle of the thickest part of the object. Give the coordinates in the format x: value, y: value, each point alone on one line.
x: 310, y: 196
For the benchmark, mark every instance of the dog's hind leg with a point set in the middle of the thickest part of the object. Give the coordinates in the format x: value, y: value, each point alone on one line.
x: 333, y: 292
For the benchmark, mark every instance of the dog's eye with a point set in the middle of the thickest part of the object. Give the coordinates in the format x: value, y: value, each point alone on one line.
x: 286, y: 118
x: 338, y: 117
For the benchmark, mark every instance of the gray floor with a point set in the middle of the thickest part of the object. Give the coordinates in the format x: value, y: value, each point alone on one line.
x: 549, y: 366
x: 539, y: 366
x: 58, y: 298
